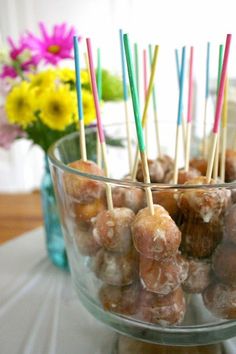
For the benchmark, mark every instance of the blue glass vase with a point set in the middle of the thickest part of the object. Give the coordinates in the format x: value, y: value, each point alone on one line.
x: 54, y: 237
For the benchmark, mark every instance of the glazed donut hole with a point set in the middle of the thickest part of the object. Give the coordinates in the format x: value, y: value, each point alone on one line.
x: 230, y: 165
x: 199, y: 276
x: 200, y: 239
x: 183, y: 176
x: 230, y: 224
x: 219, y: 299
x: 156, y: 171
x: 155, y: 236
x: 163, y: 276
x: 164, y: 310
x: 205, y: 204
x: 112, y: 229
x: 199, y: 164
x: 122, y: 300
x: 167, y: 198
x: 83, y: 190
x: 132, y: 198
x: 224, y: 263
x: 115, y: 268
x: 85, y: 241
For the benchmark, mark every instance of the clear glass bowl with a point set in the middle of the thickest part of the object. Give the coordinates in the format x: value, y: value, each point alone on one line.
x: 140, y: 275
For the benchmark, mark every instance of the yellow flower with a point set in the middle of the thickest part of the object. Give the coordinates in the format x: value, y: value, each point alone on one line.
x: 42, y: 80
x: 66, y: 74
x: 88, y: 107
x: 58, y: 107
x: 84, y: 77
x: 20, y: 105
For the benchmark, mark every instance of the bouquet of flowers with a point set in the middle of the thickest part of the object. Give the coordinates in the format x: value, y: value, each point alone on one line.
x: 38, y: 94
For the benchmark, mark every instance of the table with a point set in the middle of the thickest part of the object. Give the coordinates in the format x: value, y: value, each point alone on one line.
x: 24, y: 208
x: 39, y: 310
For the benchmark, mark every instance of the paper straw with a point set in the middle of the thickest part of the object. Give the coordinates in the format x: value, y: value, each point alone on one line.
x: 216, y: 158
x: 136, y: 64
x: 190, y: 106
x: 154, y: 101
x: 179, y: 116
x: 138, y: 124
x: 219, y: 104
x: 79, y: 99
x: 204, y: 148
x: 125, y: 95
x: 148, y: 97
x: 99, y: 86
x: 99, y: 121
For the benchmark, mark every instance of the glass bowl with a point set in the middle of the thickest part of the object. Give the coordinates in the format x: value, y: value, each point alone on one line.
x: 168, y: 278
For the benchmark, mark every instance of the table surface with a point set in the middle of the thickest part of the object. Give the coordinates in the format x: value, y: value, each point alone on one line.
x: 19, y: 213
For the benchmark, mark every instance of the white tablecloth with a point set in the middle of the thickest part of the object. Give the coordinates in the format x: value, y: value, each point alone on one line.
x: 39, y: 310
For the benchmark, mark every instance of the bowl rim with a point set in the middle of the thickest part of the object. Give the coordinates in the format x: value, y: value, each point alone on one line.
x: 124, y: 183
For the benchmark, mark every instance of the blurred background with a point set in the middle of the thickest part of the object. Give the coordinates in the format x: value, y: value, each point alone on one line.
x: 169, y: 23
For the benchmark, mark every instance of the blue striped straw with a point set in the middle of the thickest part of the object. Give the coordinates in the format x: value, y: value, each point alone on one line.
x: 181, y: 87
x: 78, y: 81
x: 125, y: 92
x: 207, y: 69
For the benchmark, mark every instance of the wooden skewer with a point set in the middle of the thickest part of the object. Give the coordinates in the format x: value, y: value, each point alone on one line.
x: 179, y: 116
x: 125, y: 95
x: 216, y: 159
x: 224, y: 133
x: 79, y: 100
x: 218, y: 111
x: 144, y: 117
x: 99, y: 123
x: 189, y: 115
x: 204, y: 147
x: 139, y: 128
x: 159, y: 154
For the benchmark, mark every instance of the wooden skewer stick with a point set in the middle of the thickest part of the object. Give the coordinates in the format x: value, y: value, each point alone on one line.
x: 79, y: 100
x: 99, y: 123
x: 224, y: 133
x: 139, y: 128
x: 98, y: 147
x: 99, y: 86
x: 183, y: 123
x: 219, y: 105
x: 204, y: 147
x: 189, y: 115
x: 154, y: 101
x: 125, y: 95
x: 217, y: 152
x: 144, y: 117
x: 179, y: 116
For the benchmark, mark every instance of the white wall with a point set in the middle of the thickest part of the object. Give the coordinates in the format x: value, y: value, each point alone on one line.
x: 170, y: 23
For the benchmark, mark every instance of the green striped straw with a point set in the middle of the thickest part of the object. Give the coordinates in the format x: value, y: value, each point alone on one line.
x: 134, y: 94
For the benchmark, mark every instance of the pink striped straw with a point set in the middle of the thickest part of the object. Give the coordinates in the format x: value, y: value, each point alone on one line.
x: 145, y: 79
x: 95, y: 91
x: 220, y: 96
x: 190, y: 87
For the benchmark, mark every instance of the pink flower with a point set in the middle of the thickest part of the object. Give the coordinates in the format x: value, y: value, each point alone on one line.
x: 8, y: 71
x: 21, y: 57
x: 52, y: 48
x: 8, y: 132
